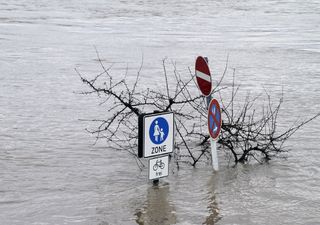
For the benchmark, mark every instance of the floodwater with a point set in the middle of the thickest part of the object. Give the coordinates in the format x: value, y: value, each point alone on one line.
x: 50, y: 172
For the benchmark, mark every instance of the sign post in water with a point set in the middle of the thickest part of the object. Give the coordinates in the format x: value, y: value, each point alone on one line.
x: 204, y: 81
x: 156, y: 137
x: 214, y: 127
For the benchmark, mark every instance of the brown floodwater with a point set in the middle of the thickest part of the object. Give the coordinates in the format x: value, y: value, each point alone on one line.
x: 50, y: 171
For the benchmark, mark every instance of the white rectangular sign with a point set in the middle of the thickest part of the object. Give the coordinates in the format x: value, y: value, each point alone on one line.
x: 158, y: 167
x: 158, y: 134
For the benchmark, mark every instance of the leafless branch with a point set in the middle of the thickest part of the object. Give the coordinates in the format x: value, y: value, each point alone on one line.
x: 246, y: 133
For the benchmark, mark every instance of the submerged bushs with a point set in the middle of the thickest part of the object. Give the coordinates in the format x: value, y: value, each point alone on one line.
x: 248, y: 132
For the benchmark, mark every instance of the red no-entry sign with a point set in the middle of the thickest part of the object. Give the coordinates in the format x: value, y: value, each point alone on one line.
x: 203, y: 76
x: 214, y: 119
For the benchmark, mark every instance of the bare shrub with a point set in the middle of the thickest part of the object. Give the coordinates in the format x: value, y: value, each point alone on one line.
x: 246, y: 133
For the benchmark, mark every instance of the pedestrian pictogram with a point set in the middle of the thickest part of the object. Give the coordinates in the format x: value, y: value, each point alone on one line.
x: 156, y: 134
x: 158, y: 167
x: 214, y: 119
x: 203, y: 76
x: 159, y: 130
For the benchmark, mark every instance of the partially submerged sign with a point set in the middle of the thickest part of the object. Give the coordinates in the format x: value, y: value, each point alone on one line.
x: 214, y: 119
x: 156, y: 134
x: 203, y: 76
x: 158, y: 167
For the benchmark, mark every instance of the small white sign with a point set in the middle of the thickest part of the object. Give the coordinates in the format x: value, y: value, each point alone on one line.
x: 158, y: 131
x: 158, y: 167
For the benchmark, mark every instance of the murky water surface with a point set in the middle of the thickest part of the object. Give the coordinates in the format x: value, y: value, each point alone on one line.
x: 51, y: 174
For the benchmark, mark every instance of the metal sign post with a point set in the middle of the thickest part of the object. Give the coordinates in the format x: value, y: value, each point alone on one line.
x: 214, y: 127
x: 204, y: 81
x: 156, y: 138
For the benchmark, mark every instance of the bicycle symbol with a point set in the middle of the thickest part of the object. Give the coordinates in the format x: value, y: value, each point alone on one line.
x: 159, y: 164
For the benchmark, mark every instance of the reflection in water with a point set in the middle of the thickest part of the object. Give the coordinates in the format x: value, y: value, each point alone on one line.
x: 157, y: 210
x: 213, y: 209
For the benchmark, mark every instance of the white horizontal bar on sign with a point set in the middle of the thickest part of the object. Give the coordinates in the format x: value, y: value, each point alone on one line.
x: 203, y: 76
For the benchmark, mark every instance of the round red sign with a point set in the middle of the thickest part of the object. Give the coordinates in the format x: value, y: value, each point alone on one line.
x: 214, y: 119
x: 203, y: 76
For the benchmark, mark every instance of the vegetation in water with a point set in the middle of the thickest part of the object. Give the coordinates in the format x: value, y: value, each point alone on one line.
x: 246, y: 133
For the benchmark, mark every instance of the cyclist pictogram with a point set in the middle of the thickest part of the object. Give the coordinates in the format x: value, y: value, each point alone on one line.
x: 158, y: 164
x: 158, y: 167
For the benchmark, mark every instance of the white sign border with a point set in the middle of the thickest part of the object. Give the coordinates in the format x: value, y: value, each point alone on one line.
x: 143, y: 133
x: 149, y: 167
